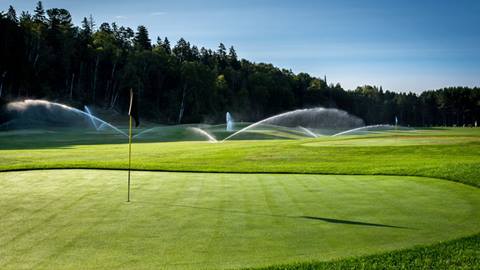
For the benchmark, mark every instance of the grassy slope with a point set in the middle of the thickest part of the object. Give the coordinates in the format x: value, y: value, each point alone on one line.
x: 457, y: 160
x: 462, y: 253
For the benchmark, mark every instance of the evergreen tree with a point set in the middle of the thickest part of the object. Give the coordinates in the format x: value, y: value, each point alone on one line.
x: 25, y: 19
x: 86, y: 30
x: 182, y: 50
x: 222, y: 51
x: 166, y: 46
x: 59, y: 18
x: 39, y: 15
x: 159, y: 42
x: 105, y: 27
x: 195, y: 53
x: 142, y: 41
x: 222, y: 56
x: 232, y: 58
x: 12, y: 14
x: 232, y: 54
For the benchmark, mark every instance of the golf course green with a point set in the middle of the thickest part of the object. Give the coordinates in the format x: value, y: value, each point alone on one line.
x: 386, y: 200
x: 70, y: 219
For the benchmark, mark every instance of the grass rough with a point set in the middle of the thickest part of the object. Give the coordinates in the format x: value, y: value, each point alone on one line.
x: 463, y: 253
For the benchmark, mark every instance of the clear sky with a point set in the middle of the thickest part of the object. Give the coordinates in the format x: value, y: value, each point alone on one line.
x: 400, y: 45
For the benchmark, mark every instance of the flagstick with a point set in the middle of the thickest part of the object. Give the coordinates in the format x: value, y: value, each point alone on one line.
x: 129, y: 156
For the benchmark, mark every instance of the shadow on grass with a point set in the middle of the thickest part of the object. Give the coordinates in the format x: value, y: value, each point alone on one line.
x: 351, y: 222
x: 322, y: 219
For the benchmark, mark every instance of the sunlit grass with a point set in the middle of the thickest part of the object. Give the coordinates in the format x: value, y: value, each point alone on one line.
x: 78, y: 219
x: 70, y: 219
x: 427, y: 153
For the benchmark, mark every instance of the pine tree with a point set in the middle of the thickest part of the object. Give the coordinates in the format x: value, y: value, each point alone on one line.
x: 222, y: 51
x: 39, y: 13
x: 105, y: 27
x: 142, y: 41
x: 12, y: 14
x: 195, y: 53
x: 114, y: 27
x: 166, y: 46
x: 59, y: 17
x: 86, y: 30
x: 25, y: 17
x: 182, y: 50
x: 222, y: 56
x: 159, y: 42
x: 232, y: 54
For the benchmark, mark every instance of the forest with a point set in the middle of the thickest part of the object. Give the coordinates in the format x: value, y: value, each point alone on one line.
x: 44, y: 55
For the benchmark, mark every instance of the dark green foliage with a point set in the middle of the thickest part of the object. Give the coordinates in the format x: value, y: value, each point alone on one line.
x: 166, y: 46
x: 141, y: 41
x: 44, y: 56
x: 39, y: 13
x: 3, y: 114
x: 12, y: 14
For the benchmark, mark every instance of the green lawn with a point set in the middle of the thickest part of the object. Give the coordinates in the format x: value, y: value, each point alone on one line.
x: 78, y: 218
x: 449, y: 154
x: 69, y: 219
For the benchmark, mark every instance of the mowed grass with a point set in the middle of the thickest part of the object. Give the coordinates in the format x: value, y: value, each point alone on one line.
x: 452, y: 154
x: 78, y: 219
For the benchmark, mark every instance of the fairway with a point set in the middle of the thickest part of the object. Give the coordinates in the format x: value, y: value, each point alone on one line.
x: 377, y: 141
x: 71, y: 219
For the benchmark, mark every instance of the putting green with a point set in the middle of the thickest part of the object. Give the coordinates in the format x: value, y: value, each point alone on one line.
x: 72, y: 219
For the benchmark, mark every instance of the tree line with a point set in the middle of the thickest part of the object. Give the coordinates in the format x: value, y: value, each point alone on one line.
x: 43, y: 55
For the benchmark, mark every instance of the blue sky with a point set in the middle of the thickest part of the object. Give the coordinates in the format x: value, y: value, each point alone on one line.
x: 400, y: 45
